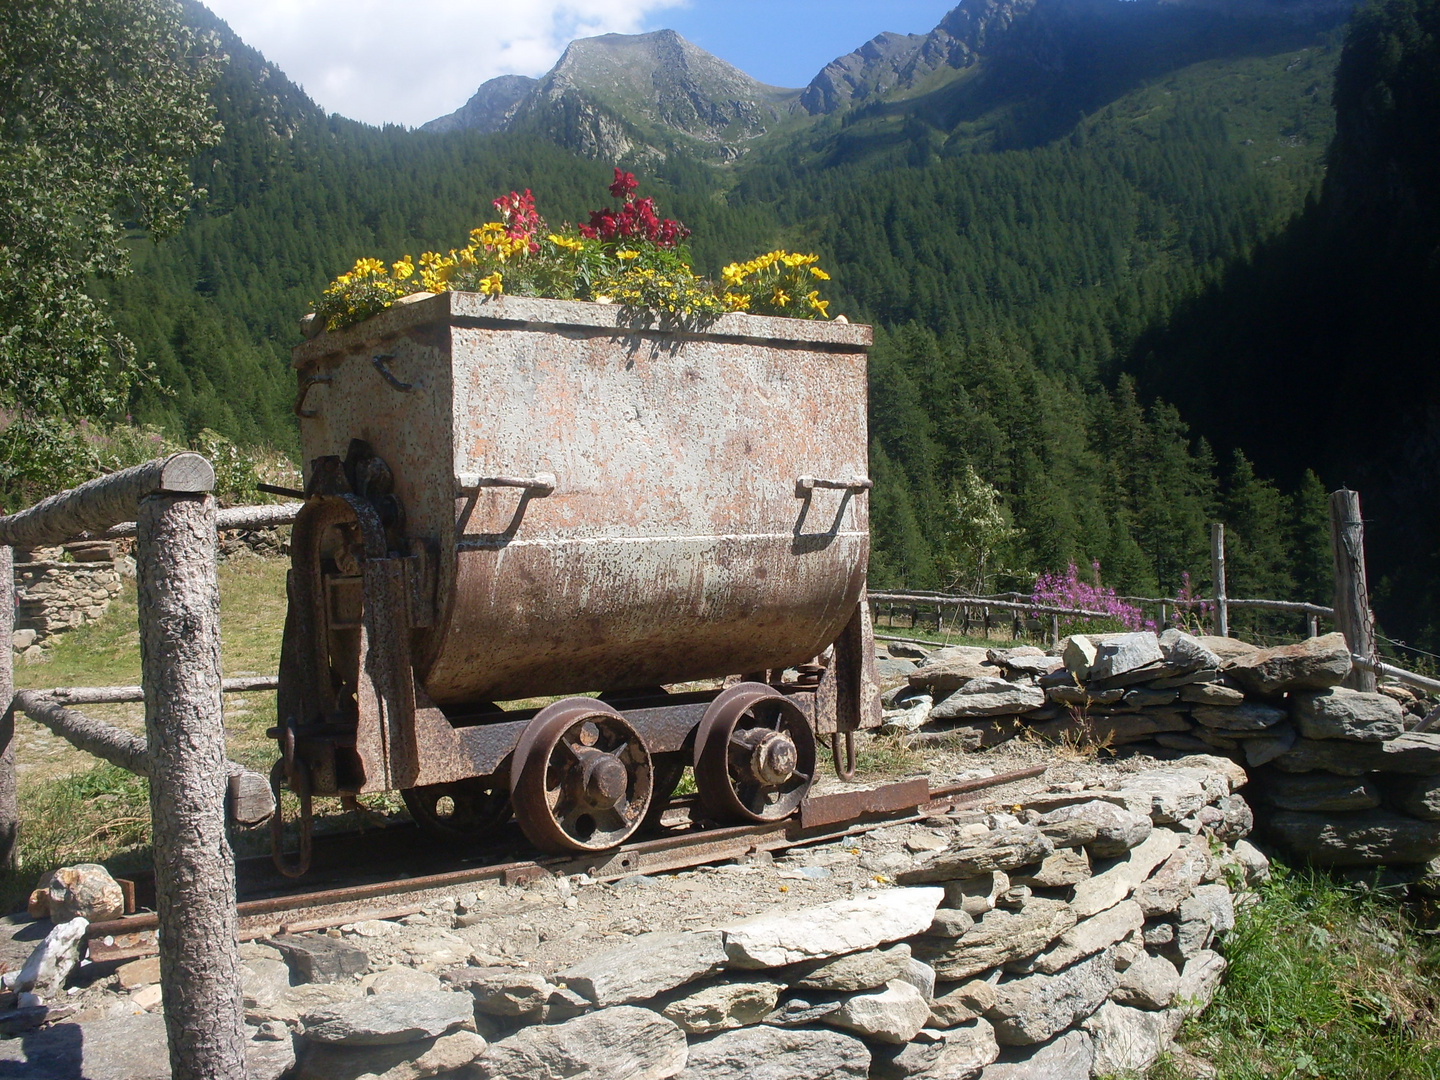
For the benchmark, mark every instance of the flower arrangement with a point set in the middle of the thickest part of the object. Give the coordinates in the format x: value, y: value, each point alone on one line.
x: 629, y: 256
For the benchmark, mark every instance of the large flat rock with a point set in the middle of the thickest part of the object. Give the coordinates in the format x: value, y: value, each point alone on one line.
x: 999, y: 937
x: 1419, y: 797
x: 620, y: 1043
x: 388, y: 1019
x: 1183, y: 650
x: 999, y: 849
x: 411, y: 1061
x: 1119, y: 654
x: 1103, y: 828
x: 1176, y: 879
x: 988, y: 696
x: 1150, y: 982
x: 893, y: 1014
x: 833, y: 929
x: 1085, y: 938
x: 122, y: 1048
x: 853, y: 971
x: 1116, y: 882
x: 646, y: 965
x: 1415, y: 754
x: 1341, y: 713
x: 1035, y: 1008
x: 953, y: 667
x: 1366, y: 838
x: 1244, y: 718
x: 1311, y: 665
x: 1318, y: 792
x: 721, y: 1006
x: 771, y: 1053
x: 1128, y: 1041
x: 1068, y: 1057
x: 959, y: 1051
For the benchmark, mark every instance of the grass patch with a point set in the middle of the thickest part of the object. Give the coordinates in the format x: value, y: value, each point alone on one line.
x: 880, y: 756
x: 1325, y: 981
x: 82, y: 811
x: 1000, y: 637
x: 101, y: 815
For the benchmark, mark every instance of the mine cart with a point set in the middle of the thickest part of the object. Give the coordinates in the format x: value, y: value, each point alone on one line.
x: 512, y: 499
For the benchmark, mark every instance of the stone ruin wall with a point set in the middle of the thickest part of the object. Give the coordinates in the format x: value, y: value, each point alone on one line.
x: 1062, y: 930
x: 1339, y: 777
x: 59, y: 589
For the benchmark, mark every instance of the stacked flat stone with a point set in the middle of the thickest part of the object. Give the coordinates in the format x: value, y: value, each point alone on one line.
x: 1339, y: 777
x: 54, y: 595
x: 1067, y: 937
x: 267, y: 542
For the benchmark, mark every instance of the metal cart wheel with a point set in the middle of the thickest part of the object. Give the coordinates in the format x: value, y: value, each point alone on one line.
x: 754, y: 755
x: 580, y: 778
x: 461, y: 810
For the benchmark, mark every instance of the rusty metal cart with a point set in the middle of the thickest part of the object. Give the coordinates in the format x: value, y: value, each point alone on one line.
x: 511, y: 499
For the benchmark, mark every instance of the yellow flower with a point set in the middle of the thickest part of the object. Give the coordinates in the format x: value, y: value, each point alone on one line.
x: 627, y: 255
x: 781, y: 297
x: 822, y: 306
x: 569, y: 243
x: 817, y: 272
x: 488, y: 235
x: 736, y: 301
x: 368, y: 268
x: 733, y: 274
x: 492, y: 285
x: 403, y: 270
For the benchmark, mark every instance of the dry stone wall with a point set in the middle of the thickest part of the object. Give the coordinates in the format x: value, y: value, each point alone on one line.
x: 1340, y: 777
x: 1067, y: 935
x: 59, y: 589
x: 62, y: 588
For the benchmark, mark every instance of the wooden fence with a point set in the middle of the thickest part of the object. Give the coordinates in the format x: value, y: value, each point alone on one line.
x: 167, y: 505
x: 1351, y: 614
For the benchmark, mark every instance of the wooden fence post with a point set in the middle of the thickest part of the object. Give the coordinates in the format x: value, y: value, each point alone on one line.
x: 179, y: 601
x: 1353, y: 617
x: 1217, y: 571
x: 1054, y: 631
x: 9, y: 804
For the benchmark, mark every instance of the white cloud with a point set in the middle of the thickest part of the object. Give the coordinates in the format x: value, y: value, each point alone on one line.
x: 399, y: 61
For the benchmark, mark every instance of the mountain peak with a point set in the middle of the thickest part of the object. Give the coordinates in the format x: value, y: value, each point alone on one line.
x: 618, y: 95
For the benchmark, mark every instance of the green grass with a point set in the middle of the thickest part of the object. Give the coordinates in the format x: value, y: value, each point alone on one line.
x: 79, y: 811
x: 1325, y: 981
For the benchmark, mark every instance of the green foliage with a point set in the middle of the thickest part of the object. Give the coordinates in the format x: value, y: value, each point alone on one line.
x: 1316, y: 355
x: 1324, y: 981
x: 979, y: 541
x: 1010, y: 256
x: 42, y: 455
x: 102, y: 108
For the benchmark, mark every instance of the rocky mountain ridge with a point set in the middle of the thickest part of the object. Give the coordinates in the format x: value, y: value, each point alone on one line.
x: 621, y: 96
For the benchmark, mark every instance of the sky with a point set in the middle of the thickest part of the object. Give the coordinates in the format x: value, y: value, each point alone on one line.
x: 398, y: 62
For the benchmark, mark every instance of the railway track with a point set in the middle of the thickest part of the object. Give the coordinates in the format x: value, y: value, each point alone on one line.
x: 401, y: 877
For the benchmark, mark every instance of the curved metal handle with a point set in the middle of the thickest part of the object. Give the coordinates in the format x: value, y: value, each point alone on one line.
x: 539, y: 485
x: 389, y: 376
x: 807, y: 484
x: 305, y: 385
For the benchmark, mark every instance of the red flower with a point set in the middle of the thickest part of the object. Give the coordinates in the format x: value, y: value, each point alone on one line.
x: 624, y: 185
x: 635, y: 219
x: 519, y: 214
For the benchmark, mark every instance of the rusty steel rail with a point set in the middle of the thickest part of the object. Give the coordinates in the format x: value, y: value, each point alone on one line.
x: 821, y: 820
